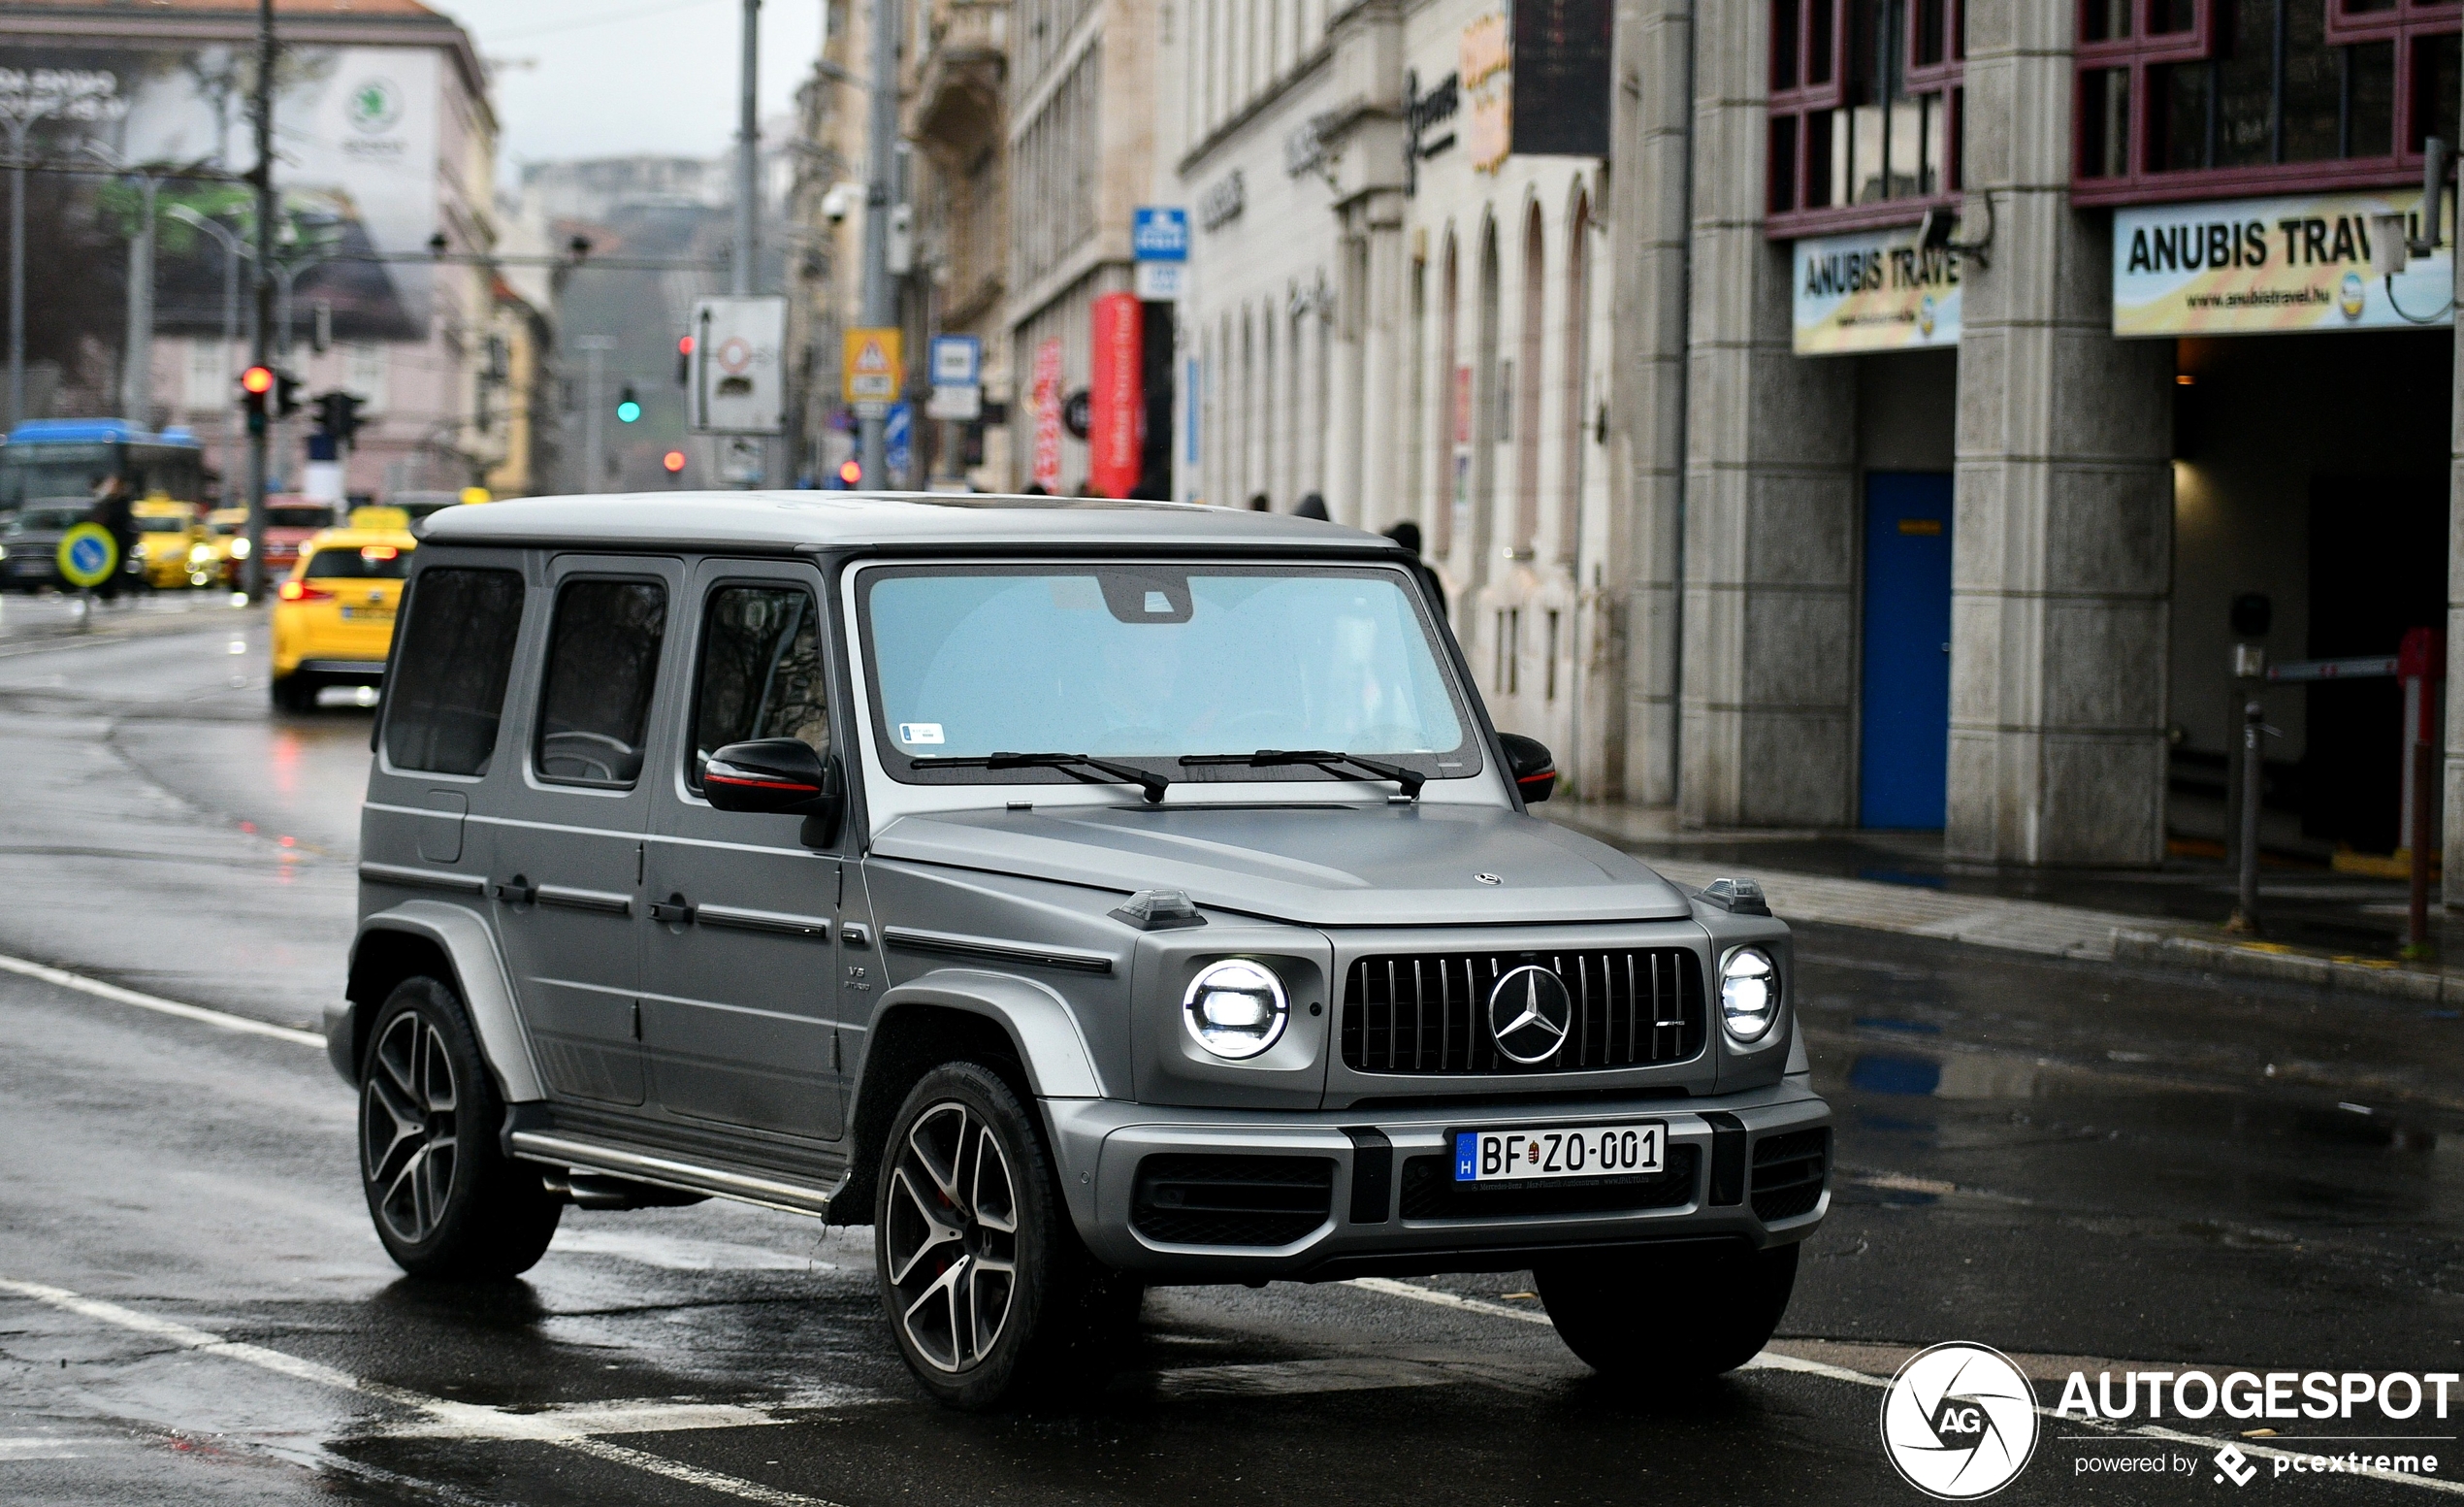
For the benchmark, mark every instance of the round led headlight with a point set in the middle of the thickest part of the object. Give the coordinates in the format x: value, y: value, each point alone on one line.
x: 1749, y: 994
x: 1235, y: 1008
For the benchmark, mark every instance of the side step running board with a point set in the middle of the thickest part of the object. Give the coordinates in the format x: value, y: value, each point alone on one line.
x: 593, y: 1156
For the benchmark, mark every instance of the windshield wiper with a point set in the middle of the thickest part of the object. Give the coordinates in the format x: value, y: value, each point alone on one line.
x: 1326, y: 759
x: 1153, y: 784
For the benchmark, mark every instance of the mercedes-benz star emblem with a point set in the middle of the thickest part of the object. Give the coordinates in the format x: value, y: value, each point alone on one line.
x: 1530, y: 1013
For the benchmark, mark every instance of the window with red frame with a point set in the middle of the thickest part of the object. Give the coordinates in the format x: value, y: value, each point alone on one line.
x: 2211, y: 97
x: 1864, y: 112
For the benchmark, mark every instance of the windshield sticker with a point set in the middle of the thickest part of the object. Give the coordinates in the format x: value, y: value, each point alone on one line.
x: 919, y: 733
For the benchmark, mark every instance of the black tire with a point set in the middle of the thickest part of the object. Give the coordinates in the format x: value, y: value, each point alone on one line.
x: 446, y: 1200
x: 1674, y: 1315
x: 1055, y: 1313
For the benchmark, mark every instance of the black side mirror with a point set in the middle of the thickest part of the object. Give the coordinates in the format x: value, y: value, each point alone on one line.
x: 1529, y: 761
x: 781, y: 776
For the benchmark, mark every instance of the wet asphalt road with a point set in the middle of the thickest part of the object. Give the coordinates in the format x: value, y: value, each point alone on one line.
x: 2056, y: 1159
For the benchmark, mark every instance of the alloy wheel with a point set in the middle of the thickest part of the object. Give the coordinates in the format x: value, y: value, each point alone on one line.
x: 951, y: 1237
x: 407, y: 1126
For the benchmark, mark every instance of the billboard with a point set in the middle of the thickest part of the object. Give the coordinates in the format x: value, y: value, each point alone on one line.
x: 2273, y: 265
x: 1874, y: 290
x: 356, y: 138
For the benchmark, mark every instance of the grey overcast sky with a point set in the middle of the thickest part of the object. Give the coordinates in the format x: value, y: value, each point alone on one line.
x: 609, y: 77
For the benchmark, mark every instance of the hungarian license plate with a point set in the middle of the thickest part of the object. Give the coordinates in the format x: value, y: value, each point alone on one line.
x: 368, y: 615
x: 1579, y: 1151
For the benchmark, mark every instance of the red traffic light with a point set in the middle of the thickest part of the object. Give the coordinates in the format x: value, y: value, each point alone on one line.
x: 851, y: 471
x: 673, y: 460
x: 258, y: 380
x: 684, y: 346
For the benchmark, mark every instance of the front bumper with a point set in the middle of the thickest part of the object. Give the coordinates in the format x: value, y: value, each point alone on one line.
x: 1407, y: 1221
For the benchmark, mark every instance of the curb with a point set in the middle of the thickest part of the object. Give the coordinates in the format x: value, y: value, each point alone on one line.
x: 46, y: 636
x: 2277, y: 962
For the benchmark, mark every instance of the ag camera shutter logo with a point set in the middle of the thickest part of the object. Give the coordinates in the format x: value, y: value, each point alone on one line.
x: 1959, y: 1421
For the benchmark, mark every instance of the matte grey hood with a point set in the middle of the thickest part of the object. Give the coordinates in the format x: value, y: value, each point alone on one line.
x: 1319, y: 865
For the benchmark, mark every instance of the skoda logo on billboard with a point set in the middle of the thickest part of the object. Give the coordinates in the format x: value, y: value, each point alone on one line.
x: 1530, y: 1013
x: 1959, y: 1421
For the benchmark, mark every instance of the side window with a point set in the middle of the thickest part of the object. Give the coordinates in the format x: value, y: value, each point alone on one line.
x: 760, y: 673
x: 602, y: 659
x: 448, y: 678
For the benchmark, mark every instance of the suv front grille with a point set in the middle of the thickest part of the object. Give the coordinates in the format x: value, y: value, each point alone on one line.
x: 1190, y: 1200
x: 1427, y: 1013
x: 1788, y: 1173
x: 1430, y: 1192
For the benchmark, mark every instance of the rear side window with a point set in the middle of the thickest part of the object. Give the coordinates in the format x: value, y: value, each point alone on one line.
x: 446, y: 689
x: 760, y: 673
x: 602, y: 660
x: 375, y: 563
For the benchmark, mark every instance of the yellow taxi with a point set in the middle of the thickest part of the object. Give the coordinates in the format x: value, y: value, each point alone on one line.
x: 226, y: 544
x: 173, y: 545
x: 334, y: 616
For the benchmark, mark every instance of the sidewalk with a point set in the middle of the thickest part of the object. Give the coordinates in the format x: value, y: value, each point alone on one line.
x: 2319, y: 928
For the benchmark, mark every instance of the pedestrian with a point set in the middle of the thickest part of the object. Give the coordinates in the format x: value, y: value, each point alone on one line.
x: 1259, y: 504
x: 113, y: 511
x: 1313, y: 507
x: 1408, y: 535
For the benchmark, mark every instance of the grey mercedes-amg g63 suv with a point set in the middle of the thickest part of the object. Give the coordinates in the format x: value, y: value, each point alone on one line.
x: 1084, y: 894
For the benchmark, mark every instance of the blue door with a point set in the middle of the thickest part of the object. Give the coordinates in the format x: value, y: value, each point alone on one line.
x: 1905, y: 742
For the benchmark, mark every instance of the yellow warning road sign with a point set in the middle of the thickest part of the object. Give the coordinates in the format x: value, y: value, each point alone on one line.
x: 873, y: 364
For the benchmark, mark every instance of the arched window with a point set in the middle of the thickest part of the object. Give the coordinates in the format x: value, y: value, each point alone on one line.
x: 1454, y: 402
x: 1574, y: 405
x: 1488, y: 428
x: 1527, y: 385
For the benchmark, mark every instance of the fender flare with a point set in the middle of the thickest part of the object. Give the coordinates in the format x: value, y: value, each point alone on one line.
x: 1051, y: 1047
x: 479, y: 973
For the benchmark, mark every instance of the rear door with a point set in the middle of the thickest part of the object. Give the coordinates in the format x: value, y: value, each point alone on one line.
x: 568, y: 878
x: 740, y: 991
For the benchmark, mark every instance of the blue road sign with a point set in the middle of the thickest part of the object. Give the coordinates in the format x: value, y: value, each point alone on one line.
x: 958, y: 361
x: 1158, y: 233
x: 899, y: 441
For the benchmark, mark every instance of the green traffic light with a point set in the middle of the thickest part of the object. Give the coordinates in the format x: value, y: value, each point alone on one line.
x: 628, y: 411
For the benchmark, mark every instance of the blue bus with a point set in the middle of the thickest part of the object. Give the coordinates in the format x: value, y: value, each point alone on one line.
x: 58, y: 461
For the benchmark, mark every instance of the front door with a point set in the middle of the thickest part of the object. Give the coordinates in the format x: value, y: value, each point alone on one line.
x: 566, y: 880
x: 1906, y: 741
x: 740, y: 988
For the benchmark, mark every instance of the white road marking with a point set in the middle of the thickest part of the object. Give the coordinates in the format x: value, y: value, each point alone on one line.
x: 478, y: 1420
x: 159, y: 1005
x: 1774, y: 1361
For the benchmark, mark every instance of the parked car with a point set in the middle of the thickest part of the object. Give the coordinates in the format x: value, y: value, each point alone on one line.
x: 334, y: 614
x: 1084, y: 895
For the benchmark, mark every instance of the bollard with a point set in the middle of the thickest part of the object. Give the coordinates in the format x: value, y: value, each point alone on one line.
x: 2254, y: 778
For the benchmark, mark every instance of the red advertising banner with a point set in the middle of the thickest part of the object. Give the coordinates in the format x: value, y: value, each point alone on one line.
x: 1117, y: 397
x: 1048, y: 415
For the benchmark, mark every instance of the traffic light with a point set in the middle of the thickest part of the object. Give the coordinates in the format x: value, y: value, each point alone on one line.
x: 337, y: 417
x: 287, y: 394
x: 254, y: 384
x: 850, y: 471
x: 684, y: 362
x: 628, y: 406
x: 673, y: 460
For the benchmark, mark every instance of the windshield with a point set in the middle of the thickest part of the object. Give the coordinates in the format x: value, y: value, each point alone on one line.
x: 1156, y: 664
x: 31, y: 470
x: 299, y: 517
x: 154, y: 523
x: 48, y: 520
